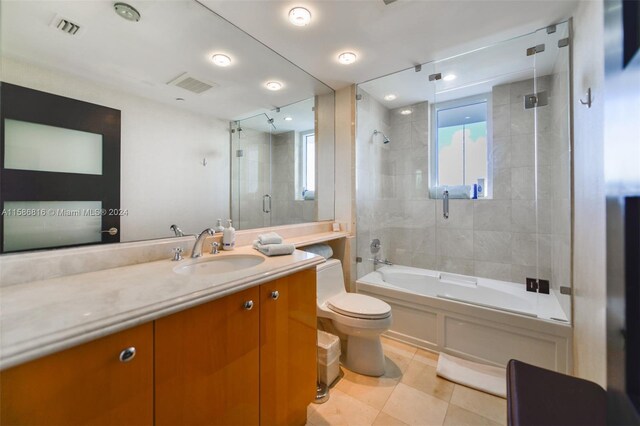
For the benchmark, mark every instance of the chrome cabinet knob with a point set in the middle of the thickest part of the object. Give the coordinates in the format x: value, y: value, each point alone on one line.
x: 275, y: 294
x: 248, y: 305
x: 127, y: 354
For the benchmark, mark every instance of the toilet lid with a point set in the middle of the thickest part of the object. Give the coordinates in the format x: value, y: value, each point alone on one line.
x: 359, y: 306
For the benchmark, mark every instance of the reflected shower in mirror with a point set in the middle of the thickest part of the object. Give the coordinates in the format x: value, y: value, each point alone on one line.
x: 163, y: 137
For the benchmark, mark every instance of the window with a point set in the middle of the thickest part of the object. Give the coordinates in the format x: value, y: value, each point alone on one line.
x: 307, y: 166
x: 461, y: 143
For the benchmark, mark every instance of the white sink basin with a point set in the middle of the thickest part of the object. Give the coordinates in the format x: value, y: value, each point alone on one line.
x: 219, y: 265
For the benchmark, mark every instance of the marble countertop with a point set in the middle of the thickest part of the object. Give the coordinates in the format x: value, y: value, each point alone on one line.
x: 42, y: 317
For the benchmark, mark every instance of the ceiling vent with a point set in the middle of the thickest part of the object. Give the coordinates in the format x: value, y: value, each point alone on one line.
x: 191, y: 84
x: 65, y: 25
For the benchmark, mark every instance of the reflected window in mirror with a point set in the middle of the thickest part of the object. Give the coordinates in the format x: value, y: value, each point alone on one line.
x: 461, y: 145
x: 307, y: 165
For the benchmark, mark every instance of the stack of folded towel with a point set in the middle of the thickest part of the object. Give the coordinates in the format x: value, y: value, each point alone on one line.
x: 271, y: 244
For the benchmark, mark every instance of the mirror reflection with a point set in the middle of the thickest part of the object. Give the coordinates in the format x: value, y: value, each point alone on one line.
x: 114, y: 129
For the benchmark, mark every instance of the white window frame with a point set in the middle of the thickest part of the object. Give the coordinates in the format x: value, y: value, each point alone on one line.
x: 433, y: 140
x: 302, y: 163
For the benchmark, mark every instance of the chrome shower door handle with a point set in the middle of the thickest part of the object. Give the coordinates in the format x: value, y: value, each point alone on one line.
x: 266, y: 207
x: 445, y: 204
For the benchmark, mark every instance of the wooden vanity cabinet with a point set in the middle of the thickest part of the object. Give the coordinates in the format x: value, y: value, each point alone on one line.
x: 84, y: 385
x: 288, y: 348
x: 207, y: 363
x: 245, y: 359
x: 222, y: 363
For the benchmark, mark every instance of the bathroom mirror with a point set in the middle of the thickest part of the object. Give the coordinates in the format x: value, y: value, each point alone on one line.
x: 157, y: 90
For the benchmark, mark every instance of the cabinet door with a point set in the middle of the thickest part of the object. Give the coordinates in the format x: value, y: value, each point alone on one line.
x: 288, y: 348
x: 207, y: 361
x: 84, y: 385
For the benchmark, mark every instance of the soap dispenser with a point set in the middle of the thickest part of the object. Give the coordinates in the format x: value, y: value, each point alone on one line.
x: 229, y: 237
x: 219, y: 228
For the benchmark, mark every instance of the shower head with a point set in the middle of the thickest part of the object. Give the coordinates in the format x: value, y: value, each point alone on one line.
x: 386, y: 140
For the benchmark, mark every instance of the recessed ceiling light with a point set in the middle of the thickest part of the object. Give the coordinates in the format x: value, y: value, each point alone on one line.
x: 273, y: 85
x: 347, y: 58
x: 406, y: 112
x: 299, y: 16
x: 221, y: 60
x: 288, y: 118
x: 127, y: 12
x: 449, y: 77
x: 467, y: 117
x: 390, y: 97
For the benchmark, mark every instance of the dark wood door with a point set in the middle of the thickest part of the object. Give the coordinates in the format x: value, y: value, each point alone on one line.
x: 19, y: 185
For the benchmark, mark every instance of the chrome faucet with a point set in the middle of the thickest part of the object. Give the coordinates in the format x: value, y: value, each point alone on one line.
x: 197, y: 247
x: 176, y: 230
x: 377, y: 261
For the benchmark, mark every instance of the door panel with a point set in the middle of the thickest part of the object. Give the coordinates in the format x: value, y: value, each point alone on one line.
x: 288, y: 369
x: 207, y: 363
x: 57, y: 149
x: 84, y: 385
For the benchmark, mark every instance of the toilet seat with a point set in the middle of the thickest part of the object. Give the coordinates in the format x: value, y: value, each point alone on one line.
x: 359, y: 306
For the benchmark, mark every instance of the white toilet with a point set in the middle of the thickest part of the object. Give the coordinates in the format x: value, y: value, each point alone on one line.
x: 361, y: 318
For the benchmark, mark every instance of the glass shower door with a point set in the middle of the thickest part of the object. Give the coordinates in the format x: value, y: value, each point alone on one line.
x: 483, y: 156
x: 550, y: 104
x: 251, y: 172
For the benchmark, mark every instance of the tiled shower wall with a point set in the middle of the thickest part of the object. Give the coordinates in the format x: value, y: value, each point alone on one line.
x: 494, y: 238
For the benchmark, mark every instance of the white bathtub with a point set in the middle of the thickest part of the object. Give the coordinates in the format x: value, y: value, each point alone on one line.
x: 475, y: 318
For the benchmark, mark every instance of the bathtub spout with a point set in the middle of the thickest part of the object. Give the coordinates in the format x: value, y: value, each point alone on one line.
x: 377, y: 261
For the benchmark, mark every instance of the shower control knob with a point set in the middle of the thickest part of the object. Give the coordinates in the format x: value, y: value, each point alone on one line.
x: 248, y: 305
x: 275, y: 294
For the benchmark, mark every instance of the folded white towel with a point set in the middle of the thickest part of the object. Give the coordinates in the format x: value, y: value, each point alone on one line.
x: 270, y: 238
x: 273, y: 249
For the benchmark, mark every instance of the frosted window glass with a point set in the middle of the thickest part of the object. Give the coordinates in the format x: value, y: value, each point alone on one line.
x: 31, y: 146
x: 39, y: 224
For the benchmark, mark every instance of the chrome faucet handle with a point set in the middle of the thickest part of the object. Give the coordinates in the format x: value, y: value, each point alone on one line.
x: 177, y: 254
x: 214, y: 247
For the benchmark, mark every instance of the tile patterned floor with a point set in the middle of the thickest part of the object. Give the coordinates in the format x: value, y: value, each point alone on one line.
x: 409, y: 393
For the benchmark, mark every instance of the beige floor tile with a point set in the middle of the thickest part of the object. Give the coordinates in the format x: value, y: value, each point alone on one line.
x: 426, y: 357
x: 395, y: 364
x: 423, y: 377
x: 341, y: 409
x: 373, y: 391
x: 384, y: 419
x: 481, y: 403
x: 400, y: 348
x: 457, y: 416
x: 414, y: 407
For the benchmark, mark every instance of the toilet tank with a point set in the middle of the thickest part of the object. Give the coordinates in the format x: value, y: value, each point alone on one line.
x: 330, y: 280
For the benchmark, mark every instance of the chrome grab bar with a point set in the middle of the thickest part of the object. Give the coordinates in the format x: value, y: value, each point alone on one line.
x: 445, y: 204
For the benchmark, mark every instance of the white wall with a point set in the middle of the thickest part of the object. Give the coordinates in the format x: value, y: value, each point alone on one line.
x: 589, y: 265
x: 162, y: 178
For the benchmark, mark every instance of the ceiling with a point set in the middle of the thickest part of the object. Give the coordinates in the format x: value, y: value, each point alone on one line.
x: 385, y: 38
x: 171, y: 38
x: 476, y: 72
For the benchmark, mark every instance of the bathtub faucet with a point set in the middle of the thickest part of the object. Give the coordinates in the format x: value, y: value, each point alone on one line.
x: 377, y: 261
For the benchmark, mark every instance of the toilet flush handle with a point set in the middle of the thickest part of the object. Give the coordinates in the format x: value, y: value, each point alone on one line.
x: 275, y: 294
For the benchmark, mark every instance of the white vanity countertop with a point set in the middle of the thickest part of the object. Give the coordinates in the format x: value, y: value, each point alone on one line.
x: 43, y: 317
